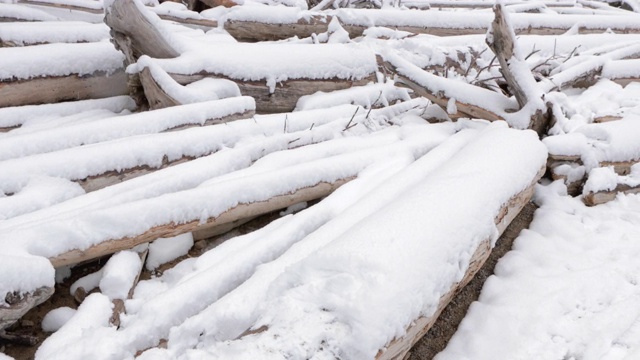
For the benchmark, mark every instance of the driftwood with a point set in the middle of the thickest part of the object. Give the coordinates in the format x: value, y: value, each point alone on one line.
x: 286, y: 94
x: 93, y: 10
x: 503, y: 44
x: 134, y: 35
x: 251, y: 30
x: 601, y: 197
x: 398, y: 348
x: 43, y: 90
x: 20, y: 304
x: 242, y: 210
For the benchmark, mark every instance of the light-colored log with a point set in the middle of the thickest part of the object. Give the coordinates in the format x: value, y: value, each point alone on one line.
x: 44, y: 90
x: 601, y: 197
x: 18, y: 305
x: 134, y: 34
x: 398, y: 348
x: 241, y: 211
x: 286, y: 94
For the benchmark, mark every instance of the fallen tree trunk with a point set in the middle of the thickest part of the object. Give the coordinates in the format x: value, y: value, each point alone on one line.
x: 398, y: 348
x: 43, y: 90
x: 601, y: 197
x: 502, y: 41
x: 242, y: 210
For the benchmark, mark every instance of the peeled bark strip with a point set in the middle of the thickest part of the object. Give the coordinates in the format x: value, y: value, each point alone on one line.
x: 241, y: 211
x: 398, y: 348
x: 44, y: 90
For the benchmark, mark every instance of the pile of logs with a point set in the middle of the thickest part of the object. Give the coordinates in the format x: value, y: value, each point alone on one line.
x: 137, y: 73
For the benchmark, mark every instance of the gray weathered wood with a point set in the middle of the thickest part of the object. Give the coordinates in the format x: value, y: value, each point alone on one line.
x: 42, y: 90
x: 19, y: 304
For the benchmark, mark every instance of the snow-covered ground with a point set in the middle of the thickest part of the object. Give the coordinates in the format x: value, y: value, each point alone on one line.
x: 411, y: 191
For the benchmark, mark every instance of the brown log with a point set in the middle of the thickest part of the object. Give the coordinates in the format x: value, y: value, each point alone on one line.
x: 242, y: 210
x: 18, y: 305
x: 398, y: 348
x: 134, y: 34
x: 257, y: 31
x: 43, y: 90
x: 601, y: 197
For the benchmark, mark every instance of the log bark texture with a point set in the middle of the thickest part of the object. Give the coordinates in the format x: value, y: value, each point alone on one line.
x: 44, y: 90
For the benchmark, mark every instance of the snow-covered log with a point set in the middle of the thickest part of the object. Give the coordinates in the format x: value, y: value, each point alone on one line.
x: 263, y: 23
x: 14, y: 12
x: 459, y: 99
x: 67, y: 72
x: 604, y: 184
x: 351, y: 285
x: 94, y: 7
x: 35, y: 33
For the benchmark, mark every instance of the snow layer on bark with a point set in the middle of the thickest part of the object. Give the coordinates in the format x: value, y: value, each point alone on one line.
x: 60, y: 60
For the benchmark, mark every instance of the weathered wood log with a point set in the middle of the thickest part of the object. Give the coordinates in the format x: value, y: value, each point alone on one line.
x: 398, y: 348
x: 201, y: 23
x: 242, y: 26
x: 440, y: 91
x: 134, y: 34
x: 53, y: 89
x: 242, y: 210
x: 501, y: 39
x: 19, y: 304
x: 156, y: 97
x: 286, y: 94
x: 601, y: 197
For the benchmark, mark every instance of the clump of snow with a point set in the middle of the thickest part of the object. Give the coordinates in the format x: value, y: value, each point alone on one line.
x: 601, y: 179
x: 294, y: 208
x: 87, y: 282
x: 120, y: 274
x: 92, y: 316
x: 379, y: 94
x: 23, y: 273
x: 163, y: 250
x: 56, y: 318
